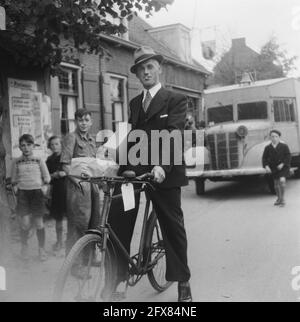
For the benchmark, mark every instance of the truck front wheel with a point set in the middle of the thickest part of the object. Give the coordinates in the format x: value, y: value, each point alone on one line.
x: 297, y: 173
x: 200, y: 186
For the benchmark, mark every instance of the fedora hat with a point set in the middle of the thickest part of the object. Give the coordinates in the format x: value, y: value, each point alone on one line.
x: 143, y: 54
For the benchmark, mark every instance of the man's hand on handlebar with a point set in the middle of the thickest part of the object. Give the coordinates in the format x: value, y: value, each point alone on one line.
x: 159, y: 174
x: 85, y: 175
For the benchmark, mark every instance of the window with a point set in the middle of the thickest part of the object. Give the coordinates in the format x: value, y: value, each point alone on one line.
x: 253, y: 111
x: 118, y: 99
x: 284, y: 110
x: 220, y: 114
x: 68, y: 80
x: 68, y: 92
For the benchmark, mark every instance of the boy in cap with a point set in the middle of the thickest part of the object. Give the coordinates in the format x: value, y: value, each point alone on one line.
x: 277, y: 160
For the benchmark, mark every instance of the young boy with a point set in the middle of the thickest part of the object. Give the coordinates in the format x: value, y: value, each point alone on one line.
x: 277, y: 160
x: 58, y: 203
x: 29, y: 173
x: 79, y: 206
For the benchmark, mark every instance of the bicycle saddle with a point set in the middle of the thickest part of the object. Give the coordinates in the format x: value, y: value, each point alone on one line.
x: 129, y: 174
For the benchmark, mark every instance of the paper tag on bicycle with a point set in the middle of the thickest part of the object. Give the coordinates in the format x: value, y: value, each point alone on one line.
x: 128, y: 196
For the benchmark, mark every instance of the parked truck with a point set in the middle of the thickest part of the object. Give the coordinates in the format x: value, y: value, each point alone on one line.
x: 238, y: 121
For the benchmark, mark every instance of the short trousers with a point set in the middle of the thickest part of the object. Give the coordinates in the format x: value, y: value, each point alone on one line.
x: 31, y: 202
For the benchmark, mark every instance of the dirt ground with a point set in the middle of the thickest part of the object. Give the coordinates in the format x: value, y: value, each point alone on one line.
x: 33, y: 280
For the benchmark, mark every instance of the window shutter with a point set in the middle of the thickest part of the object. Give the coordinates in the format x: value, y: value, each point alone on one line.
x: 91, y: 98
x: 107, y: 106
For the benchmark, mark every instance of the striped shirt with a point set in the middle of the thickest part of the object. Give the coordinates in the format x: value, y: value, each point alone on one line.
x: 29, y: 173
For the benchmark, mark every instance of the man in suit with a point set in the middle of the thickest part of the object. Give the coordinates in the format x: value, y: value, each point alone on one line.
x: 157, y: 109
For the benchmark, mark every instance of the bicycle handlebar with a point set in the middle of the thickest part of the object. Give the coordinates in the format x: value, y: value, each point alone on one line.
x: 144, y: 178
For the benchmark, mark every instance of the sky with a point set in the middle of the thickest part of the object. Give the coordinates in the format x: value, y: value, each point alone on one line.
x: 256, y: 20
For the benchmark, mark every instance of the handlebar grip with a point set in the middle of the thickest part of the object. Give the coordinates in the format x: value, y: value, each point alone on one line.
x: 151, y: 176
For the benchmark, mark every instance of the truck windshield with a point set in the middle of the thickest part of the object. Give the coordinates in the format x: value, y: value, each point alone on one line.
x: 220, y: 114
x: 253, y: 111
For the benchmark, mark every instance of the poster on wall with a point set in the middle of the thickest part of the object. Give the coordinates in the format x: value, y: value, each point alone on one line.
x: 25, y: 113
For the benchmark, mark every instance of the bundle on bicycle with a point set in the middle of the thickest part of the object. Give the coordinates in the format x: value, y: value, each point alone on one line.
x: 89, y: 272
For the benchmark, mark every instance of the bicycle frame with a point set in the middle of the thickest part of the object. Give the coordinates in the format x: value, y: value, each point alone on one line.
x: 139, y: 267
x: 96, y: 255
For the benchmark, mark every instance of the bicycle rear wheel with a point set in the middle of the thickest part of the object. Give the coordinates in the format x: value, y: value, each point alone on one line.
x: 87, y: 274
x: 156, y: 255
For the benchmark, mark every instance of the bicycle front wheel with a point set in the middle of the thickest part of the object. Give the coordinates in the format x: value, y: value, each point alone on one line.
x: 87, y: 273
x: 156, y: 255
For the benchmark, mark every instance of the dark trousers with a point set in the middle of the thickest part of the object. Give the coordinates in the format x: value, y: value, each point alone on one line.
x: 167, y: 204
x: 82, y: 210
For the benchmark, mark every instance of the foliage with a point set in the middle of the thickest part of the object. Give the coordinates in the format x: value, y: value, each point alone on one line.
x: 273, y: 61
x: 41, y: 32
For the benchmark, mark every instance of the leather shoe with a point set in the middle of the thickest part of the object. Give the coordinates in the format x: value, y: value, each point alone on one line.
x: 184, y: 292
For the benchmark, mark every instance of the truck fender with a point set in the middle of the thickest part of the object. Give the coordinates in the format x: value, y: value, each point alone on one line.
x: 253, y: 157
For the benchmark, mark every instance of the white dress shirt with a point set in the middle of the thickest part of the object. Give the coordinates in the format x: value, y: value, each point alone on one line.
x: 153, y: 91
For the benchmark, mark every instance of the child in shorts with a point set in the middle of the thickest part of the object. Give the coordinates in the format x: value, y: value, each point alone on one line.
x: 29, y: 174
x: 277, y: 160
x: 58, y: 196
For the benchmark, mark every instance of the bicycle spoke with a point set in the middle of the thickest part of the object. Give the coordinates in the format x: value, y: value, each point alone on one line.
x: 101, y: 275
x: 157, y: 260
x: 83, y: 278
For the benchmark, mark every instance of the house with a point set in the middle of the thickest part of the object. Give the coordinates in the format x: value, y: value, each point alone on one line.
x: 180, y: 72
x: 101, y: 83
x: 240, y: 59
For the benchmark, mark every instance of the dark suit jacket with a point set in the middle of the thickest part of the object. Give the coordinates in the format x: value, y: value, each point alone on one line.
x: 167, y: 111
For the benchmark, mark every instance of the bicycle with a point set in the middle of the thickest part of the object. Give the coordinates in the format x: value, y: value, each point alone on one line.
x: 95, y: 252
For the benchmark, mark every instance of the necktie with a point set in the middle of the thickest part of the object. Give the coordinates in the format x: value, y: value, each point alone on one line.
x: 147, y: 101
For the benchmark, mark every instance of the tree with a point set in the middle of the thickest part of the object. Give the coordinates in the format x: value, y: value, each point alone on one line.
x: 37, y: 29
x: 224, y: 72
x: 273, y: 62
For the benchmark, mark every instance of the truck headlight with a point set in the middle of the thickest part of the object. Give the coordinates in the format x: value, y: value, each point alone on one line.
x: 242, y: 131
